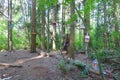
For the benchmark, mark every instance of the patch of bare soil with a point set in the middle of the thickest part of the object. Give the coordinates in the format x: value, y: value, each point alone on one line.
x: 33, y: 66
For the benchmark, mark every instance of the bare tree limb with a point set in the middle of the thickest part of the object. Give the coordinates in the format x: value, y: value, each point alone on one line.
x: 3, y: 14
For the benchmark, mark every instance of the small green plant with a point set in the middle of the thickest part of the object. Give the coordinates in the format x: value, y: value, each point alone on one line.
x: 71, y: 64
x: 83, y: 75
x: 62, y: 66
x: 116, y: 76
x: 84, y: 69
x: 79, y: 64
x: 99, y: 64
x: 104, y: 53
x: 82, y: 66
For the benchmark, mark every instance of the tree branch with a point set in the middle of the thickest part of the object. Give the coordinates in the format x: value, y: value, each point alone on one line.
x: 3, y: 14
x: 80, y: 17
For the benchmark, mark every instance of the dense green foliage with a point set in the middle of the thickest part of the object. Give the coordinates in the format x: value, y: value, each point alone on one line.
x: 101, y: 35
x: 51, y: 20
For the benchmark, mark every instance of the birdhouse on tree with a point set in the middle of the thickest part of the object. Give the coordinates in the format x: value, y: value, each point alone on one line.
x: 87, y: 38
x: 54, y: 24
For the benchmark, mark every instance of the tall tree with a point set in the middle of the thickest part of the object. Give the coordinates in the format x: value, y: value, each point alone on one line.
x: 55, y: 11
x: 48, y: 31
x: 43, y: 30
x: 105, y: 24
x: 86, y: 21
x: 63, y: 20
x: 33, y: 35
x: 10, y: 26
x: 72, y: 31
x: 116, y: 27
x: 86, y: 15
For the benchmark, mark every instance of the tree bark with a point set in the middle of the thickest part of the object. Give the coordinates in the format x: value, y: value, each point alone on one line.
x: 54, y: 28
x: 87, y: 22
x: 72, y: 31
x: 116, y: 23
x: 43, y: 31
x: 33, y: 34
x: 63, y: 20
x: 10, y: 26
x: 48, y: 31
x: 105, y: 25
x: 86, y: 16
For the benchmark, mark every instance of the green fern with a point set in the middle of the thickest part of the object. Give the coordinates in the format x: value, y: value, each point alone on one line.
x: 62, y: 66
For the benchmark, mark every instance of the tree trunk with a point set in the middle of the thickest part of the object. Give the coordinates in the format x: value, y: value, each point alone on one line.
x: 33, y: 35
x: 72, y: 31
x: 54, y: 28
x: 116, y: 23
x: 87, y: 22
x: 86, y: 16
x: 48, y: 32
x: 43, y: 31
x: 97, y: 36
x: 10, y: 26
x: 105, y: 25
x: 63, y: 20
x: 11, y: 40
x: 54, y: 38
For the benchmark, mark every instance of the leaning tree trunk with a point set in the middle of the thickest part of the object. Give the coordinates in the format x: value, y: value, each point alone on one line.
x: 33, y: 35
x: 72, y: 30
x: 116, y: 23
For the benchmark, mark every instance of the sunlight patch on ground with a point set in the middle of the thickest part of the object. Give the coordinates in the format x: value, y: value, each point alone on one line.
x: 29, y: 59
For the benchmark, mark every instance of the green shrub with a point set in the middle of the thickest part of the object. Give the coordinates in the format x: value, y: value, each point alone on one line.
x: 62, y: 66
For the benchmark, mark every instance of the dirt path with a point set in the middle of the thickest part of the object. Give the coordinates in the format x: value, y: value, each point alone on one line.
x: 35, y: 67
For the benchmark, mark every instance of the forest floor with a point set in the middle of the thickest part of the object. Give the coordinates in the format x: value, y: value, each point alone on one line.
x: 33, y: 66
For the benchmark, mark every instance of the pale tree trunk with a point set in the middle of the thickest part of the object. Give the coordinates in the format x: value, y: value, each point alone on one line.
x: 48, y: 31
x: 54, y: 38
x: 33, y: 34
x: 116, y: 22
x: 72, y: 31
x: 54, y: 28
